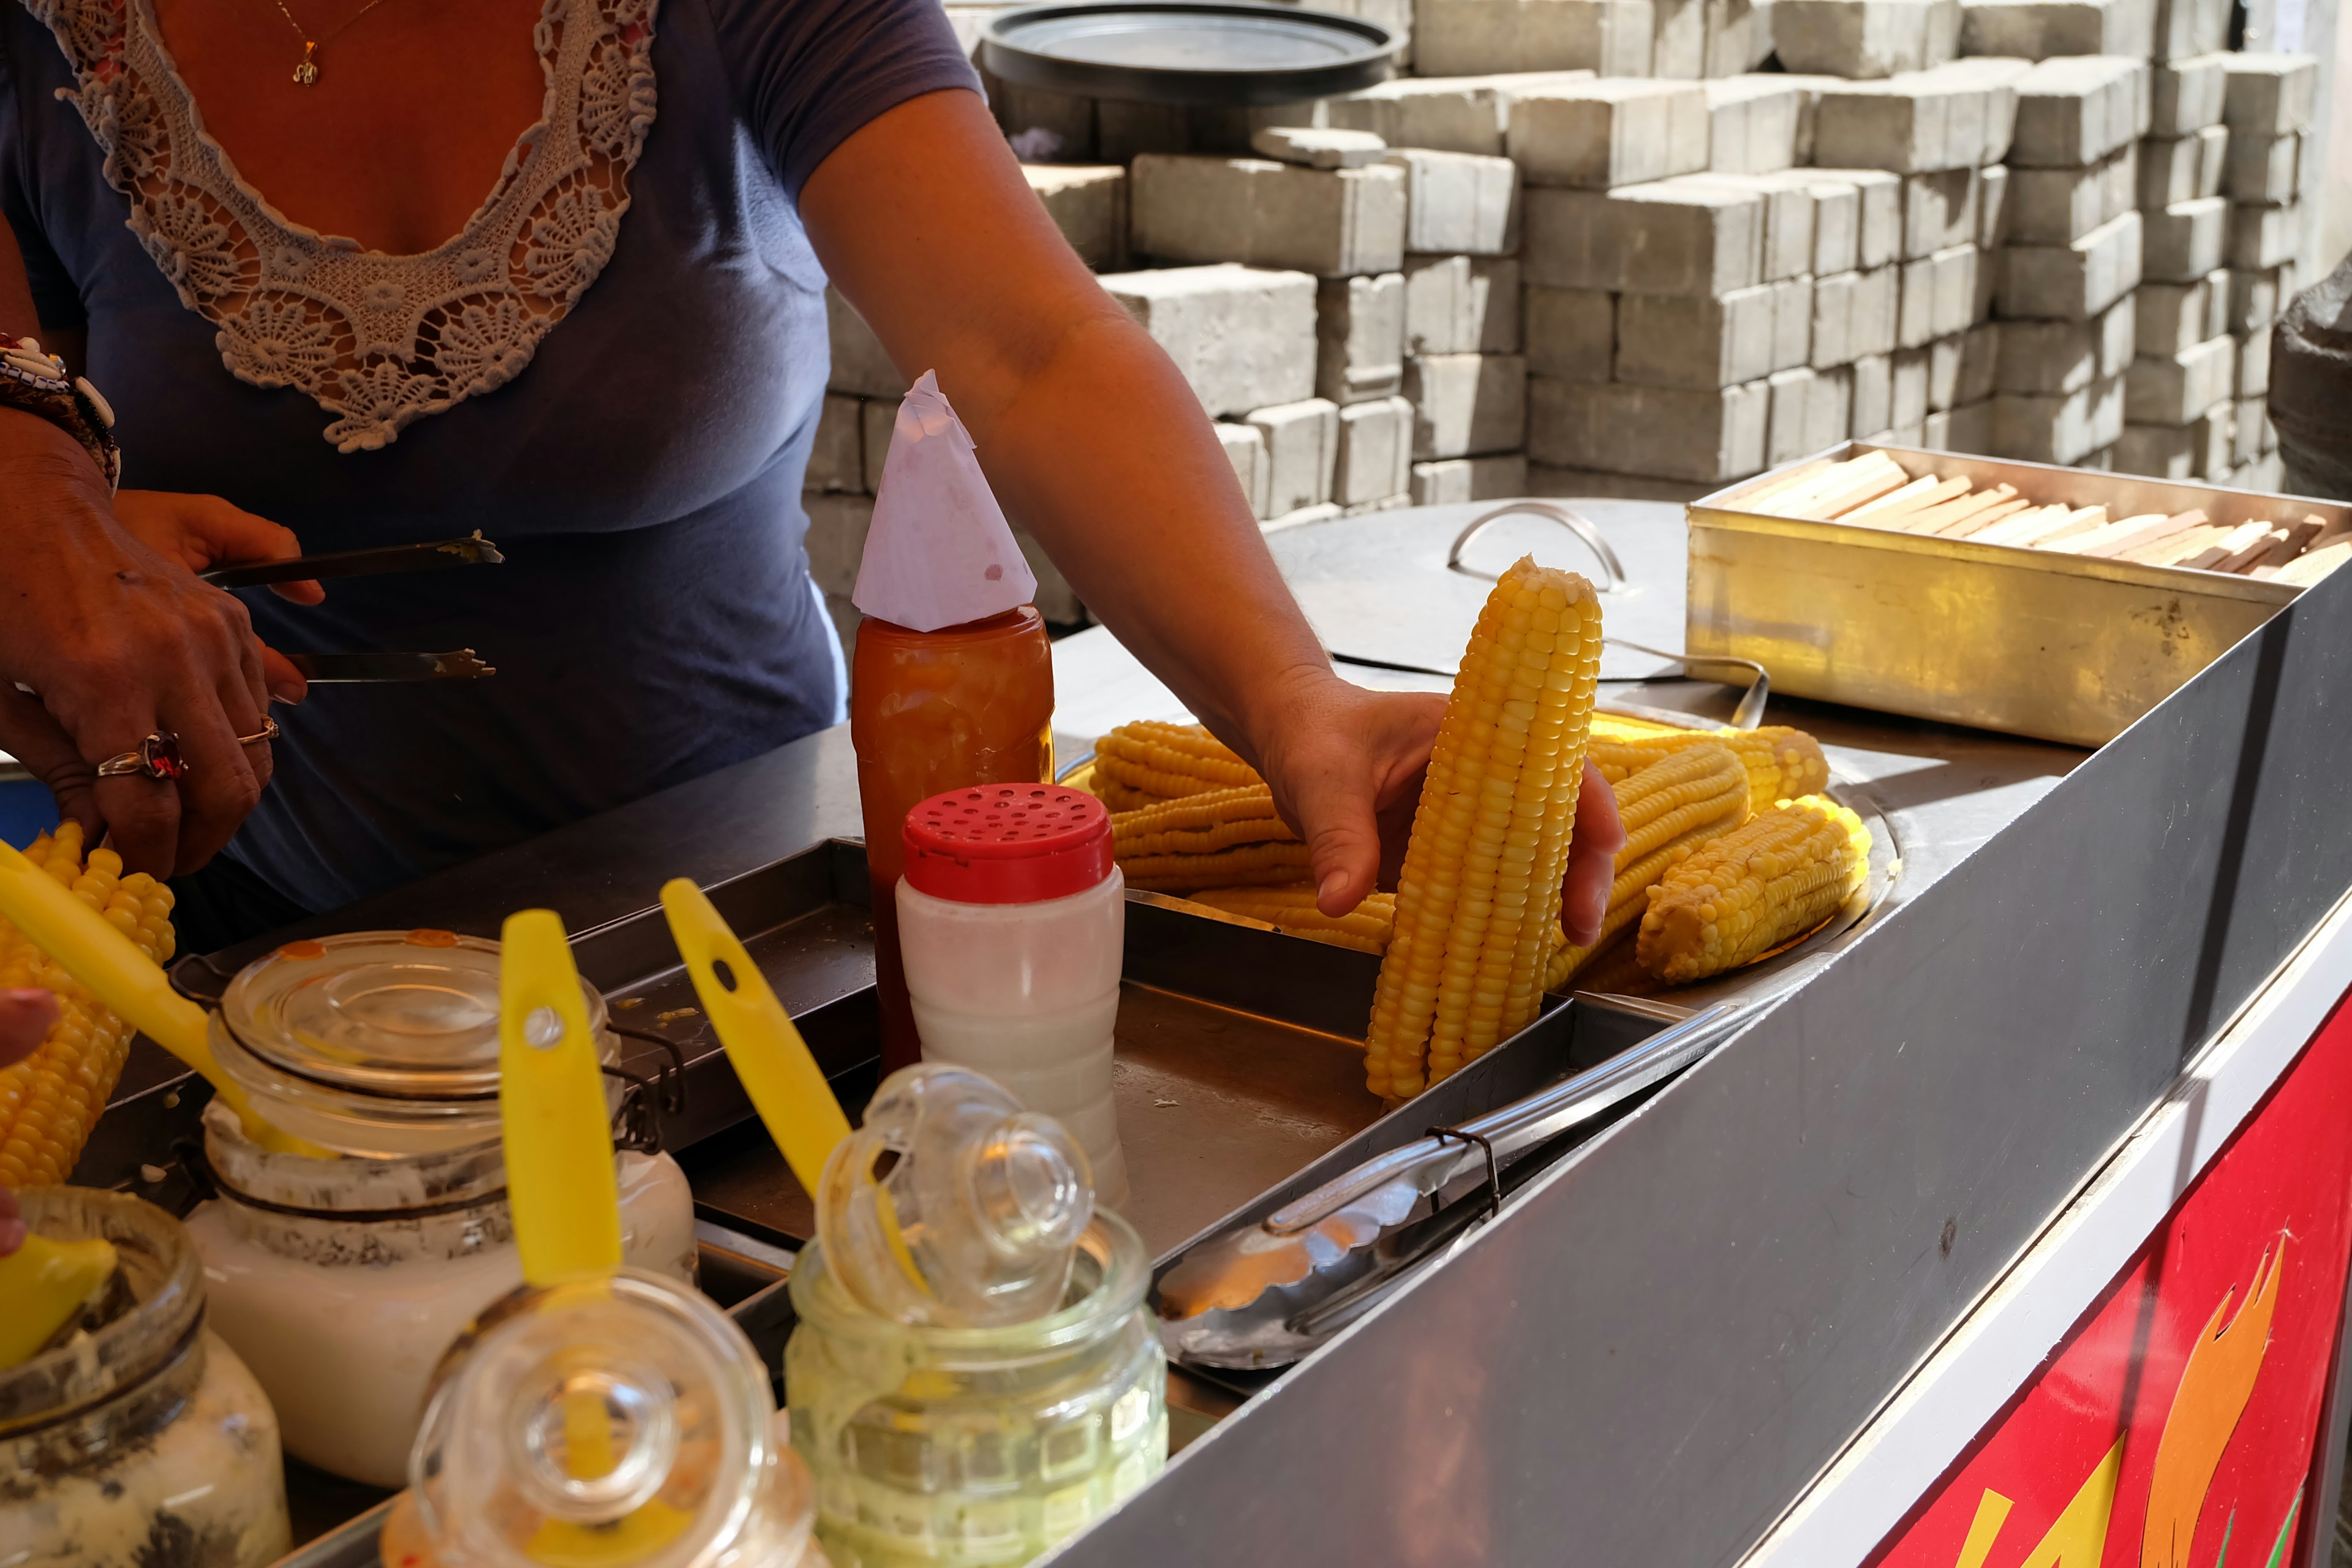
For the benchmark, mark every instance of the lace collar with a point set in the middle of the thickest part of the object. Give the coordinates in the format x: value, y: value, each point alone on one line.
x: 379, y: 340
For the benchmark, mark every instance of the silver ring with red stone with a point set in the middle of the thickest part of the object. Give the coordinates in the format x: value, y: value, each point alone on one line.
x: 158, y: 757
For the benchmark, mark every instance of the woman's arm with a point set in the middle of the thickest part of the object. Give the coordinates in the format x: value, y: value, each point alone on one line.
x: 116, y: 641
x: 1093, y: 440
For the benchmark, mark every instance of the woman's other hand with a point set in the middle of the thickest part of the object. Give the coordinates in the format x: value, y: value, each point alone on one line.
x: 27, y: 1016
x: 1346, y: 766
x: 201, y: 532
x: 104, y: 641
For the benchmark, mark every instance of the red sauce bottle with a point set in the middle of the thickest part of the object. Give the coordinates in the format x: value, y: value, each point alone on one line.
x: 971, y: 704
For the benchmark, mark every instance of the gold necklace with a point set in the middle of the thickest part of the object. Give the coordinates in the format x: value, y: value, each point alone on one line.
x: 306, y: 74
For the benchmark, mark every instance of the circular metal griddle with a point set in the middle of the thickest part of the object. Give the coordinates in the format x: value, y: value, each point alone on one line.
x: 1201, y: 53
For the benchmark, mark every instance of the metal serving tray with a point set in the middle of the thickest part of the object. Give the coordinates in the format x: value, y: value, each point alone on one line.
x: 2026, y: 641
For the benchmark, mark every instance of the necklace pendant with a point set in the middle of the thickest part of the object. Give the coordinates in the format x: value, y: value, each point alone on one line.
x: 307, y: 73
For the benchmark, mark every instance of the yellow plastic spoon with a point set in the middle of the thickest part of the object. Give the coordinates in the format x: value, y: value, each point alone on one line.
x: 786, y: 1086
x: 559, y: 1144
x: 128, y: 982
x: 46, y: 1282
x: 566, y: 1202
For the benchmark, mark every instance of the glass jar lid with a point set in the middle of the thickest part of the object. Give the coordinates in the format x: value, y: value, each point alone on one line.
x: 398, y: 1015
x: 625, y: 1422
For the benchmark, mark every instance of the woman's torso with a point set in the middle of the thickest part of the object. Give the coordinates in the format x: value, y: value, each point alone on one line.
x: 640, y: 469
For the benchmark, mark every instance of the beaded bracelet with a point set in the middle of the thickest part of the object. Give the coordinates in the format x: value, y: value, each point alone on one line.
x: 37, y: 384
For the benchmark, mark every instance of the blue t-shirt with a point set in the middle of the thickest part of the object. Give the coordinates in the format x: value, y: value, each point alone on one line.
x: 641, y: 473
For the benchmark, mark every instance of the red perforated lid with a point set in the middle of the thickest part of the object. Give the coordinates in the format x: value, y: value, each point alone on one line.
x: 1008, y: 844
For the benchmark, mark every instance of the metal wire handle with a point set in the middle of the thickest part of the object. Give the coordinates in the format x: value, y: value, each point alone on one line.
x: 1550, y: 512
x: 1750, y: 713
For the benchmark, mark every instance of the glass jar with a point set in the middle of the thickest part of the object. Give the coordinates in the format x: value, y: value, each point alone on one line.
x: 146, y: 1440
x: 937, y: 711
x: 977, y: 1447
x: 343, y: 1281
x: 625, y: 1423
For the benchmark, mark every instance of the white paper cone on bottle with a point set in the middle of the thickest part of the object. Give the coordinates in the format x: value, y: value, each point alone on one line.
x: 939, y: 553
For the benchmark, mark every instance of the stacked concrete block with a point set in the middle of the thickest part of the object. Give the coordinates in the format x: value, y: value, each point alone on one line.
x: 1087, y: 202
x: 1444, y: 114
x: 1302, y: 449
x: 1864, y: 39
x: 1461, y: 304
x: 1467, y: 37
x: 1752, y: 123
x: 1333, y: 223
x: 2040, y: 29
x: 1679, y: 39
x: 2076, y: 250
x: 1467, y: 405
x: 1737, y: 36
x: 1360, y: 337
x: 1701, y: 436
x: 1453, y: 479
x: 2184, y: 29
x: 1243, y: 337
x: 2269, y: 102
x: 1374, y: 467
x: 1602, y: 133
x: 1463, y: 203
x: 1246, y: 448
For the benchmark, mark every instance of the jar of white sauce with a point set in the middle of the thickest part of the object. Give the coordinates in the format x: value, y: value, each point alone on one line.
x: 144, y: 1440
x: 343, y: 1281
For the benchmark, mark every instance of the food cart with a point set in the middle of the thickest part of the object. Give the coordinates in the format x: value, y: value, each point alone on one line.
x: 1956, y: 1250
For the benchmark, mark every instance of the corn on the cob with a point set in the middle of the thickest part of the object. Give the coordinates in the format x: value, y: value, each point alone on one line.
x: 1782, y: 763
x: 1116, y: 796
x: 1477, y: 906
x: 1738, y: 897
x: 1616, y: 968
x: 1292, y: 907
x: 1169, y: 761
x: 1669, y: 809
x: 1625, y: 727
x: 1199, y: 823
x: 1253, y: 864
x: 49, y: 1100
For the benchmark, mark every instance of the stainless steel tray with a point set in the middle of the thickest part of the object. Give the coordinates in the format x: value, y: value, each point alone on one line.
x: 2026, y: 641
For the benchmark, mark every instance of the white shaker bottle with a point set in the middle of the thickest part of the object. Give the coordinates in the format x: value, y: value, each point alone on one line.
x: 1011, y: 916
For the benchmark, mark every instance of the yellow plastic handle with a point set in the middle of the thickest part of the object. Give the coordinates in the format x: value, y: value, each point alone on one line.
x: 558, y: 1145
x: 130, y: 983
x: 786, y: 1086
x: 45, y: 1282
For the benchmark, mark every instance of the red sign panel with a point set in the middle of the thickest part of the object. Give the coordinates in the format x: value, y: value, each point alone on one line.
x: 2175, y: 1425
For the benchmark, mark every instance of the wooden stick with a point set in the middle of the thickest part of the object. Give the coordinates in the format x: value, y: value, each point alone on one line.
x: 2117, y: 537
x: 2178, y: 548
x: 1934, y: 518
x: 1765, y: 488
x: 1984, y: 519
x: 1881, y: 515
x: 2253, y: 554
x: 1826, y: 504
x: 2010, y: 530
x: 1893, y: 500
x: 1781, y: 499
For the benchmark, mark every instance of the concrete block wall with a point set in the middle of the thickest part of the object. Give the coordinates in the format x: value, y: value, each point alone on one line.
x: 1646, y: 248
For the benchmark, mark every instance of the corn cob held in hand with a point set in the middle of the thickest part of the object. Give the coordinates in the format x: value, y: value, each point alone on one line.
x: 1782, y: 763
x: 1292, y: 907
x: 49, y: 1101
x: 1479, y: 903
x: 1748, y: 893
x: 1679, y: 802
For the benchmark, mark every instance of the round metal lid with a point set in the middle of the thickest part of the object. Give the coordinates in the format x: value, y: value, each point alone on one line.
x: 1203, y: 52
x: 1380, y: 590
x: 404, y: 1015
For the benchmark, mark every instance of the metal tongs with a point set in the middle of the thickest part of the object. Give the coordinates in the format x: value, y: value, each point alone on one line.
x: 1265, y: 1294
x: 351, y: 669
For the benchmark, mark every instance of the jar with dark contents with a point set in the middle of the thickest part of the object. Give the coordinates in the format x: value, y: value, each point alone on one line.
x: 343, y: 1281
x: 141, y: 1442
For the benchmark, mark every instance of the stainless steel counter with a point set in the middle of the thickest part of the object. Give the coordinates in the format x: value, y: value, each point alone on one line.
x: 1663, y: 1338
